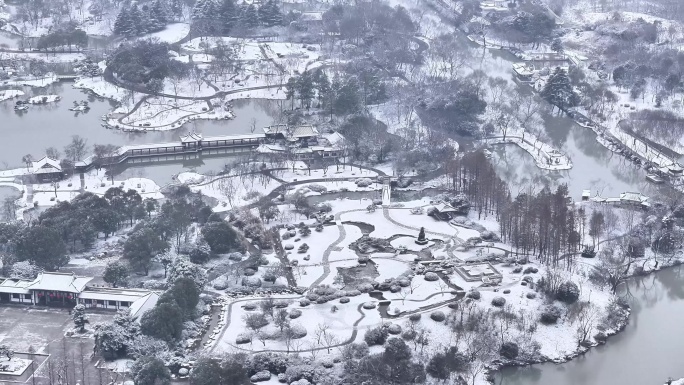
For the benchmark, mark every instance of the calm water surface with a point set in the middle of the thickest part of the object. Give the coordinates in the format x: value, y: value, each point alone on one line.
x: 647, y: 352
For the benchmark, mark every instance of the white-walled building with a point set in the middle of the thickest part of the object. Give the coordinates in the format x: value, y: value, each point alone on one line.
x: 67, y: 289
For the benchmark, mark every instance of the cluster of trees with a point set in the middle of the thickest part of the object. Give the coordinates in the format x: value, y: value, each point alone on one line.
x: 362, y: 22
x: 135, y: 20
x: 528, y: 27
x: 158, y: 329
x: 145, y: 62
x: 73, y: 226
x: 367, y: 139
x: 559, y: 91
x: 395, y: 365
x: 68, y: 36
x: 358, y: 85
x: 221, y: 17
x: 454, y: 106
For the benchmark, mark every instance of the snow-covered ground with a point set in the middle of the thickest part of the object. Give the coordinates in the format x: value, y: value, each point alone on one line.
x: 31, y: 81
x: 171, y: 34
x: 44, y: 99
x: 9, y: 94
x: 230, y: 191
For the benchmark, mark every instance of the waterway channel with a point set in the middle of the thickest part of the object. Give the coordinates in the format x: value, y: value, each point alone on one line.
x: 647, y: 352
x: 53, y: 125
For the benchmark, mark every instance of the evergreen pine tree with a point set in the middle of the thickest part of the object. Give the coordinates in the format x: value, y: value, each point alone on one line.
x: 138, y: 23
x: 290, y: 90
x: 558, y: 90
x: 160, y: 12
x: 122, y: 25
x: 228, y: 15
x: 176, y: 9
x: 305, y: 88
x: 250, y: 17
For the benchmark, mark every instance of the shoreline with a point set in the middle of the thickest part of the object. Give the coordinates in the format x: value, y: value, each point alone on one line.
x: 582, y: 350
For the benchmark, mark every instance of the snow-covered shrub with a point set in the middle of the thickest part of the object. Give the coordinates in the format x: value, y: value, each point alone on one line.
x: 295, y: 313
x: 363, y: 259
x: 313, y: 297
x: 249, y: 271
x: 155, y: 285
x: 474, y: 294
x: 404, y: 282
x: 251, y: 281
x: 507, y: 291
x: 394, y: 329
x: 145, y: 346
x: 353, y: 293
x: 365, y: 287
x: 376, y: 336
x: 528, y: 279
x: 220, y: 283
x: 263, y: 375
x: 183, y: 372
x: 269, y: 277
x: 518, y: 270
x: 498, y: 301
x: 550, y: 314
x: 369, y: 305
x: 181, y: 267
x: 431, y: 277
x: 286, y: 236
x: 281, y: 303
x: 568, y: 292
x: 531, y: 295
x: 363, y: 182
x: 288, y: 246
x: 296, y: 373
x: 298, y: 331
x: 249, y: 306
x: 235, y: 256
x: 327, y: 363
x: 415, y: 317
x: 243, y: 338
x: 395, y: 289
x: 509, y: 350
x: 530, y: 270
x: 319, y: 188
x: 438, y: 316
x: 304, y: 302
x: 344, y: 300
x: 409, y: 334
x: 282, y: 377
x: 24, y: 270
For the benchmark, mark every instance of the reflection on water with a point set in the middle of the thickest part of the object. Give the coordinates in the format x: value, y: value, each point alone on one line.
x: 648, y: 351
x: 52, y: 125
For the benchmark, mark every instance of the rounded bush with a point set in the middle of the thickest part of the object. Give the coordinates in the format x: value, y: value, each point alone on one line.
x: 509, y: 350
x: 438, y: 316
x: 404, y: 282
x: 353, y: 293
x: 249, y: 272
x: 327, y: 363
x: 376, y: 336
x: 474, y: 294
x: 298, y: 331
x: 507, y: 291
x: 251, y: 281
x: 431, y: 277
x: 415, y: 317
x: 498, y: 301
x: 243, y: 338
x: 394, y: 329
x: 568, y: 292
x: 344, y: 300
x: 249, y: 306
x: 369, y: 305
x: 313, y: 297
x: 530, y: 270
x: 304, y: 302
x: 531, y: 295
x: 269, y: 277
x: 183, y: 372
x: 281, y: 304
x: 409, y: 335
x: 523, y: 283
x: 289, y: 246
x: 518, y: 269
x: 282, y: 377
x: 295, y: 313
x: 550, y: 315
x: 261, y: 376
